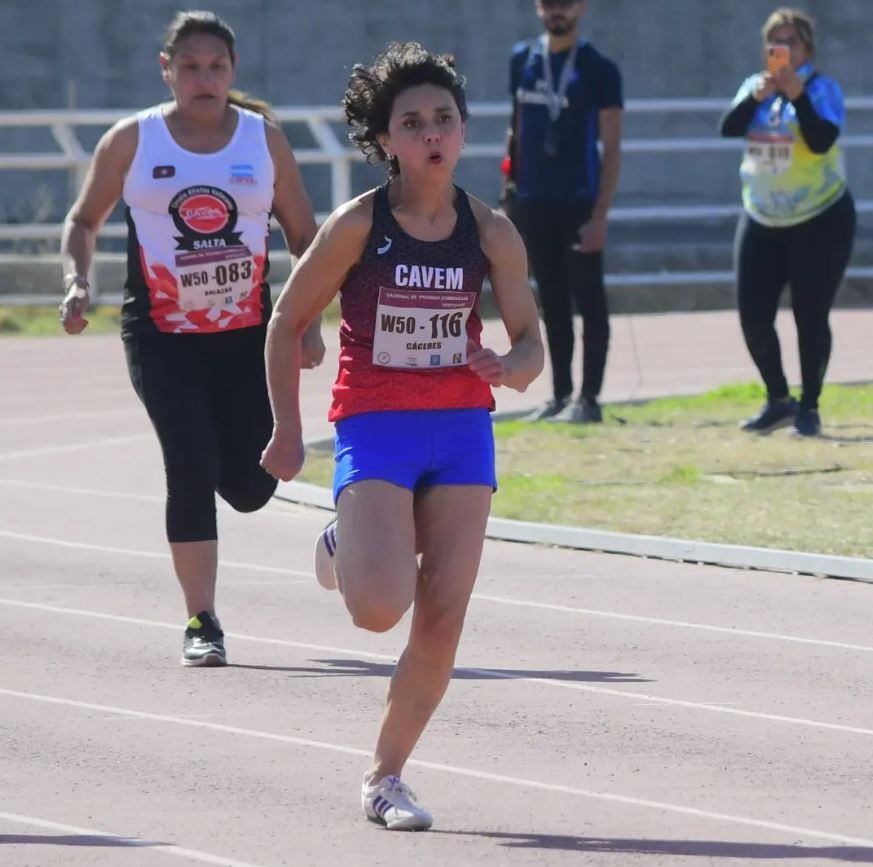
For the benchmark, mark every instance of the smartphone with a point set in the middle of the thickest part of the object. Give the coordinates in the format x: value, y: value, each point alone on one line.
x: 778, y: 57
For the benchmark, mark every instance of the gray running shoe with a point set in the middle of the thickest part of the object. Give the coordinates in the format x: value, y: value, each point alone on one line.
x: 204, y: 642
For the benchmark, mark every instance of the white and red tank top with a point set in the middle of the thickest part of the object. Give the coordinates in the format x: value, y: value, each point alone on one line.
x: 198, y: 231
x: 408, y: 308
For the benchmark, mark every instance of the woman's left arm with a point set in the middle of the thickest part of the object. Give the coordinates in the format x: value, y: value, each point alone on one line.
x: 504, y: 248
x: 818, y: 132
x: 293, y: 212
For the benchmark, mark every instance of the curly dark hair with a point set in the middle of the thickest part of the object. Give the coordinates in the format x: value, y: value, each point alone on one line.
x: 371, y: 91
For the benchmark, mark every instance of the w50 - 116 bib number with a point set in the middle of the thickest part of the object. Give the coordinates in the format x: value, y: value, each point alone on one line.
x: 441, y: 325
x: 421, y: 330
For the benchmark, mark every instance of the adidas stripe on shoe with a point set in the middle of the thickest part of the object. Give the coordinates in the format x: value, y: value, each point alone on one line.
x: 390, y: 802
x: 325, y: 556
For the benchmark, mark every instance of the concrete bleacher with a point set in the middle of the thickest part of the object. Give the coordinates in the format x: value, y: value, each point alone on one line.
x: 702, y: 61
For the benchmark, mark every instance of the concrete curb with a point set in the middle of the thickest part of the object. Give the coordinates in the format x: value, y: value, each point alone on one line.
x: 659, y: 547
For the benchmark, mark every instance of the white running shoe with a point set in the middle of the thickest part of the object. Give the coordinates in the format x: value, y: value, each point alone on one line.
x: 325, y: 556
x: 391, y: 803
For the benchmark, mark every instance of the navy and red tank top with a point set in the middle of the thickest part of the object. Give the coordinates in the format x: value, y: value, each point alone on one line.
x: 408, y: 307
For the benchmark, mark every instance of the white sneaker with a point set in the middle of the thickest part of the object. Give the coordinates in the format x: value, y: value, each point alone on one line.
x: 325, y: 556
x: 391, y: 803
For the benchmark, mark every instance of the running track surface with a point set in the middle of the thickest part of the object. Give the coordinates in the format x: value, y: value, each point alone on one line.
x: 605, y: 710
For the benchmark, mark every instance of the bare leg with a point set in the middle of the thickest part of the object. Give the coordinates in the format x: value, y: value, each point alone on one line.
x: 450, y: 521
x: 376, y: 565
x: 196, y: 565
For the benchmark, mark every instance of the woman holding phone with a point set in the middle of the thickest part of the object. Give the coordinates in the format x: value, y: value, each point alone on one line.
x: 798, y: 223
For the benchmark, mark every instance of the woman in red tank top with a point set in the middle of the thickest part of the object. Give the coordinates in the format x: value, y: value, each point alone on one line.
x: 415, y: 461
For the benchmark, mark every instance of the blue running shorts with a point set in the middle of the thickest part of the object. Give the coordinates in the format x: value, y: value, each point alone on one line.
x: 415, y: 449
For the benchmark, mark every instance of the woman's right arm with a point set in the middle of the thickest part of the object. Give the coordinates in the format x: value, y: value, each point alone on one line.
x: 319, y: 274
x: 100, y: 192
x: 735, y: 121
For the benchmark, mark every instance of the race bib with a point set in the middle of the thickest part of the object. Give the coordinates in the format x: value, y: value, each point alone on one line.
x: 421, y: 330
x: 214, y: 268
x: 770, y: 154
x: 214, y: 278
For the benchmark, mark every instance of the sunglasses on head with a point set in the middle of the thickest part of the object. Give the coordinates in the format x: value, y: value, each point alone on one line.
x: 561, y: 4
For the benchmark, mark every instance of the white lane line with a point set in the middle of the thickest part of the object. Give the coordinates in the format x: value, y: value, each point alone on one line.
x: 274, y: 511
x: 805, y: 833
x: 237, y: 636
x: 154, y: 555
x: 87, y: 492
x: 124, y: 585
x: 659, y: 621
x: 481, y: 672
x: 44, y: 399
x: 125, y: 842
x: 96, y: 445
x: 674, y: 702
x: 103, y: 585
x: 69, y: 416
x: 500, y: 600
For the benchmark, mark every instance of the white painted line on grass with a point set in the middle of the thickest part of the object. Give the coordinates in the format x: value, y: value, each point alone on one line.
x: 520, y: 782
x: 482, y: 672
x: 154, y: 555
x: 659, y: 621
x: 124, y: 842
x: 661, y: 547
x: 94, y: 445
x: 682, y: 550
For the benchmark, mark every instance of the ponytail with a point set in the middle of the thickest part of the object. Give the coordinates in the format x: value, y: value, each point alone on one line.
x: 252, y: 103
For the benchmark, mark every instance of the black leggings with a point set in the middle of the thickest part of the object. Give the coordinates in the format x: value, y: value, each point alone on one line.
x: 812, y: 258
x: 565, y: 277
x: 206, y: 395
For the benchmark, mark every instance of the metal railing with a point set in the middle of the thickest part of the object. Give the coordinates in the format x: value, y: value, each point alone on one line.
x: 335, y: 152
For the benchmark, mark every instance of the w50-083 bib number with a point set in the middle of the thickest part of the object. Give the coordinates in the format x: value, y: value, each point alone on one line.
x: 214, y: 278
x: 421, y: 330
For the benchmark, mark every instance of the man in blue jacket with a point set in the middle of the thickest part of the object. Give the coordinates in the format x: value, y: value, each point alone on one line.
x: 567, y: 99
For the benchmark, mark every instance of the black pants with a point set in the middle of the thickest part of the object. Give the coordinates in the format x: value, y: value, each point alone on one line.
x: 812, y: 258
x: 206, y: 395
x: 566, y: 277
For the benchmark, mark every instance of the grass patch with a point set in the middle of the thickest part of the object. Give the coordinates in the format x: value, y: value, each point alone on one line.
x: 681, y: 467
x: 43, y: 321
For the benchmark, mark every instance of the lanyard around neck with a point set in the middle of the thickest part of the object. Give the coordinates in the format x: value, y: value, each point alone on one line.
x: 558, y: 95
